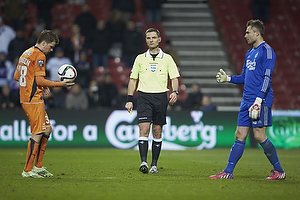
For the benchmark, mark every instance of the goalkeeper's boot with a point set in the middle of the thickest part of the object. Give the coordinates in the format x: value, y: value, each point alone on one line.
x: 276, y: 175
x: 222, y: 175
x: 144, y: 167
x: 31, y: 174
x: 153, y: 170
x: 42, y: 171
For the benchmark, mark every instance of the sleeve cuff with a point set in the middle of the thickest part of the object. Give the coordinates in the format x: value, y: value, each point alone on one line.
x: 228, y: 78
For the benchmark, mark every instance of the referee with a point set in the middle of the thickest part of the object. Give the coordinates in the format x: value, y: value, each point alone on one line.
x: 152, y: 69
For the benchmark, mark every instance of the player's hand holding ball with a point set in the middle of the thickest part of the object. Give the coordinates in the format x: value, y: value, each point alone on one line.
x: 254, y: 110
x: 222, y: 77
x: 65, y: 84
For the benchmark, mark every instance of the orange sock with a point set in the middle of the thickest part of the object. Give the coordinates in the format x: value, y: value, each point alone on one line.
x: 41, y: 152
x: 32, y: 150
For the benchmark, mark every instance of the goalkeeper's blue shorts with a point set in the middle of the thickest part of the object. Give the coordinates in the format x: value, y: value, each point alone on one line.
x: 265, y: 118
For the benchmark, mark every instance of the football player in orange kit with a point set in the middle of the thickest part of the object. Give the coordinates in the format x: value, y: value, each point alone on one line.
x: 30, y: 74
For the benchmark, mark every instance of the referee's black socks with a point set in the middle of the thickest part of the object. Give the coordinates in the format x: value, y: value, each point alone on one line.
x: 156, y: 147
x: 143, y: 148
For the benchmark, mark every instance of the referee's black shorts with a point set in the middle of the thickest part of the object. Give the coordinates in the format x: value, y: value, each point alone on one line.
x: 152, y: 107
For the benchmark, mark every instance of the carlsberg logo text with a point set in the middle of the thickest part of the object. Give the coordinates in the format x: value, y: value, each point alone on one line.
x: 122, y: 135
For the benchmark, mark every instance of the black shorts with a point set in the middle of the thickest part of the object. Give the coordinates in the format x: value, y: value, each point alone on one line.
x: 152, y: 107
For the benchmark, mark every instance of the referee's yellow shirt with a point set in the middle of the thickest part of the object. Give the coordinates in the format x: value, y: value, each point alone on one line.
x: 153, y: 72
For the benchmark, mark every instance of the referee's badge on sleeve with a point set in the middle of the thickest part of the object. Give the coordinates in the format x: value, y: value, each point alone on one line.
x: 153, y: 67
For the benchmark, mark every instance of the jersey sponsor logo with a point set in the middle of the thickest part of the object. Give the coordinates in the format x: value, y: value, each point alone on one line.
x: 251, y: 65
x: 153, y: 67
x: 40, y: 63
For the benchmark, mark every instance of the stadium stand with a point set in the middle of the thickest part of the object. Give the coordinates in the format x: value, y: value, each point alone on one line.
x: 231, y: 17
x: 191, y: 28
x: 225, y: 32
x: 31, y: 19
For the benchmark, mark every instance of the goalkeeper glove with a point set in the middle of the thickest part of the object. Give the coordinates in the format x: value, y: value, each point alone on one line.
x: 222, y: 76
x: 254, y: 110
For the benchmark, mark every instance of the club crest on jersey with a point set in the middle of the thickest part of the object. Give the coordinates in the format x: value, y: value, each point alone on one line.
x: 40, y: 63
x: 153, y: 67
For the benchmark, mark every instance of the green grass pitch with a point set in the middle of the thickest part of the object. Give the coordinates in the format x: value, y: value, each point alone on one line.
x: 90, y: 174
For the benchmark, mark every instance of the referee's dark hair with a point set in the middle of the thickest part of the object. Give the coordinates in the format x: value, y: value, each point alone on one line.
x: 153, y: 30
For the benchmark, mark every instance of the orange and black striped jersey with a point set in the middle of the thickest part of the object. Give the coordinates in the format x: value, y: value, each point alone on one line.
x: 31, y: 64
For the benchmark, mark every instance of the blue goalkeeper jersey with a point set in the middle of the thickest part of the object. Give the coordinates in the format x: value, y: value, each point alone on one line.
x: 257, y: 74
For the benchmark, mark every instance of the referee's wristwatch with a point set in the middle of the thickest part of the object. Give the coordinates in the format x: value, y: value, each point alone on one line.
x: 176, y: 91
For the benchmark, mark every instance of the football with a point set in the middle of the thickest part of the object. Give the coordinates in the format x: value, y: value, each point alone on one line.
x: 67, y: 73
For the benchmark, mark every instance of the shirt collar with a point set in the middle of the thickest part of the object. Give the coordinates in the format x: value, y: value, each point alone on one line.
x: 261, y: 44
x: 160, y: 54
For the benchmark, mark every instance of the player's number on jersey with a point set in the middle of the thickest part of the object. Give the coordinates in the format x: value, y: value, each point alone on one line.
x: 23, y: 72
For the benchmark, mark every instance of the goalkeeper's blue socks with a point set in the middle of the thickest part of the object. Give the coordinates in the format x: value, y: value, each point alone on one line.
x: 236, y: 153
x: 271, y: 154
x: 238, y: 149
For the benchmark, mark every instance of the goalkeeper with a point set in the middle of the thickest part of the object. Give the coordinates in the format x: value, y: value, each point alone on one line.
x: 255, y: 109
